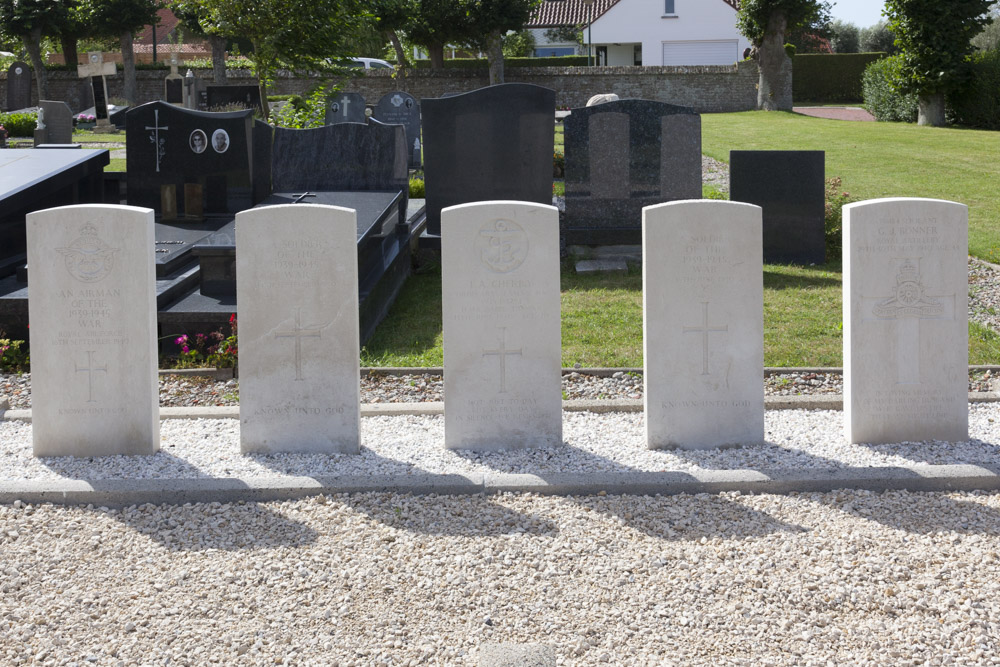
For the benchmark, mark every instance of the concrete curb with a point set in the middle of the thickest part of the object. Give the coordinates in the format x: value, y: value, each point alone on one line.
x: 124, y: 493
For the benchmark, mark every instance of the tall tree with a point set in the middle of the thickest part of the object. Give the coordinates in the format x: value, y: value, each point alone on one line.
x: 846, y: 37
x: 191, y: 14
x: 876, y: 38
x: 487, y: 21
x: 765, y: 23
x: 436, y: 23
x: 392, y: 17
x: 989, y: 38
x: 934, y: 47
x: 120, y: 19
x: 29, y: 20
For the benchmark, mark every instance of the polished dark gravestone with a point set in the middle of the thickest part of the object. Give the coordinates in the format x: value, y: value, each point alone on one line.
x: 492, y: 143
x: 399, y: 108
x: 789, y: 188
x: 188, y: 164
x: 622, y: 156
x: 18, y: 86
x: 220, y: 96
x: 58, y: 122
x: 345, y: 108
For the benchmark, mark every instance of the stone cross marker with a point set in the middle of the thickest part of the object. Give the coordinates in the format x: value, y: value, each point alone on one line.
x: 93, y: 331
x: 18, y: 86
x: 299, y: 368
x: 173, y: 85
x: 502, y: 348
x: 905, y: 321
x: 96, y: 69
x: 703, y: 324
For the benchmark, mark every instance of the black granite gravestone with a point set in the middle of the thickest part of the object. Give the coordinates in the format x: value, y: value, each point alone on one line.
x: 345, y: 108
x: 220, y: 96
x: 622, y: 156
x: 174, y: 90
x: 399, y: 108
x: 100, y: 97
x: 788, y: 186
x: 18, y: 86
x: 491, y: 143
x: 184, y: 163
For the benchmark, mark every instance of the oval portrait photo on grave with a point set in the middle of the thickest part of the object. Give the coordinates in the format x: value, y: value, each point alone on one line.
x: 198, y: 141
x: 220, y: 141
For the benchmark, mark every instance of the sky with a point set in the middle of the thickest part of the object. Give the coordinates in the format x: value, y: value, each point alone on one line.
x: 862, y: 13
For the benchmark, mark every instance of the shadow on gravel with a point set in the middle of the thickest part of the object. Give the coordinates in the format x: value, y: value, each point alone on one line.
x: 224, y: 526
x: 160, y: 464
x: 926, y: 513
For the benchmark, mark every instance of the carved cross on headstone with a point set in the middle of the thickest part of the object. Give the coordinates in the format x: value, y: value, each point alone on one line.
x: 90, y: 370
x: 298, y: 333
x: 704, y: 330
x: 908, y: 305
x: 160, y: 143
x: 96, y: 69
x: 503, y: 353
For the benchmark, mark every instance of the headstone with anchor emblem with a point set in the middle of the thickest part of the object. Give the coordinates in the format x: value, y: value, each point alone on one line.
x: 906, y: 345
x: 502, y: 344
x: 93, y: 331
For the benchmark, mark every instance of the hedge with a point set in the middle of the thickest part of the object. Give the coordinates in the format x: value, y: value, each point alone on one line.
x: 977, y: 104
x: 830, y: 77
x: 881, y: 100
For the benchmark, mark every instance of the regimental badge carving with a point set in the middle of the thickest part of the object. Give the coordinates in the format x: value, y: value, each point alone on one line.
x: 502, y: 245
x: 909, y: 299
x: 88, y: 258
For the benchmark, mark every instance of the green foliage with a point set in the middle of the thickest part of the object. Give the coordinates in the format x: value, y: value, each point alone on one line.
x: 302, y: 114
x: 19, y: 124
x: 830, y: 77
x: 989, y: 38
x: 112, y: 18
x: 934, y: 44
x: 550, y: 61
x: 833, y: 217
x: 566, y: 33
x: 846, y: 37
x: 520, y: 44
x: 14, y: 357
x: 558, y: 164
x: 213, y: 349
x: 977, y: 103
x: 881, y: 95
x: 877, y: 38
x: 754, y: 17
x: 417, y: 189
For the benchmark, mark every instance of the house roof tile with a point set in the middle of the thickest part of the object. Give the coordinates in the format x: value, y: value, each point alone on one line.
x: 553, y: 13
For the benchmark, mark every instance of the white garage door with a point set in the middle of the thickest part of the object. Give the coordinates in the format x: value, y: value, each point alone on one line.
x: 721, y: 52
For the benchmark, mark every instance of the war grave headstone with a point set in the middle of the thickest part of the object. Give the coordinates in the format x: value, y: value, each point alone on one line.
x: 703, y: 324
x: 400, y: 108
x: 95, y: 70
x: 93, y: 333
x: 622, y: 156
x: 221, y: 96
x: 58, y: 123
x: 18, y: 86
x: 905, y: 321
x: 788, y: 186
x: 500, y: 307
x: 494, y: 143
x: 345, y: 108
x: 299, y: 368
x: 173, y: 84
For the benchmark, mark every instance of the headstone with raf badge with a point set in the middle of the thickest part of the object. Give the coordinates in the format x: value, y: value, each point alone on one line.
x: 500, y: 303
x: 95, y: 70
x: 18, y: 86
x: 906, y: 346
x: 93, y: 331
x: 345, y: 108
x: 401, y: 108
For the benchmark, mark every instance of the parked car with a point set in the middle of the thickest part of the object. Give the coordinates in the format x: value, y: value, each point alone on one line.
x: 370, y: 63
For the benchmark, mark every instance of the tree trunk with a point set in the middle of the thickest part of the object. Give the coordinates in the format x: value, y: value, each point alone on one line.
x: 265, y: 107
x: 436, y: 53
x: 33, y: 44
x: 494, y: 55
x: 401, y: 62
x: 69, y: 51
x: 930, y: 110
x: 131, y: 89
x: 218, y: 59
x: 774, y: 87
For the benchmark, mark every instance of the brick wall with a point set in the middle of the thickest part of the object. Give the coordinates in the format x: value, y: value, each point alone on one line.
x: 705, y: 88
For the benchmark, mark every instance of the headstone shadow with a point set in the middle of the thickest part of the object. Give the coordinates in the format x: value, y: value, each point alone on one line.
x: 162, y: 464
x: 926, y: 513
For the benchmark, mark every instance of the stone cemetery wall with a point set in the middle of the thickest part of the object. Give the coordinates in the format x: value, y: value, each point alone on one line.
x: 703, y: 88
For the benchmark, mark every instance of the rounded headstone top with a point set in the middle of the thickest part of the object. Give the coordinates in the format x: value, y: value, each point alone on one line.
x: 601, y: 99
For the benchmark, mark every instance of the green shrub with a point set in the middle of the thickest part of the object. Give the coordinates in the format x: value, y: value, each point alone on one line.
x: 13, y: 355
x: 881, y: 100
x: 558, y: 164
x: 417, y: 190
x: 304, y: 113
x: 19, y: 124
x: 836, y: 198
x: 830, y: 77
x: 977, y: 104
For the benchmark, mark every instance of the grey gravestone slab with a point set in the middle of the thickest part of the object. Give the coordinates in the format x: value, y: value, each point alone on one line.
x: 58, y: 122
x: 345, y: 156
x: 788, y: 186
x: 248, y: 96
x: 174, y: 90
x: 622, y: 156
x: 192, y: 164
x: 345, y: 108
x: 494, y: 143
x: 18, y: 86
x: 399, y: 108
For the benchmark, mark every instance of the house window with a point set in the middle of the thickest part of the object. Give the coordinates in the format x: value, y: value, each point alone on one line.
x: 668, y: 7
x: 637, y: 54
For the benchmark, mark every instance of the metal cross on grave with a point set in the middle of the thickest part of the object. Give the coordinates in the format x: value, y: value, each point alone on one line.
x: 90, y: 370
x: 160, y: 144
x: 907, y: 306
x: 297, y: 199
x: 298, y: 333
x: 503, y: 353
x: 704, y: 330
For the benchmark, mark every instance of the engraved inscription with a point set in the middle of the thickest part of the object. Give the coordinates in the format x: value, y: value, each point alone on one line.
x: 88, y: 258
x: 298, y: 333
x: 704, y: 258
x: 502, y: 245
x: 502, y: 352
x: 90, y: 370
x: 705, y: 330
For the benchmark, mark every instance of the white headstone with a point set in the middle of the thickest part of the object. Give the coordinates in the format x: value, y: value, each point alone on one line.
x: 703, y: 324
x: 93, y: 331
x: 297, y: 290
x: 502, y: 343
x: 906, y: 335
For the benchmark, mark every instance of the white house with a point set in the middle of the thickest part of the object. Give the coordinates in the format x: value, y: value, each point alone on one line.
x: 648, y: 32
